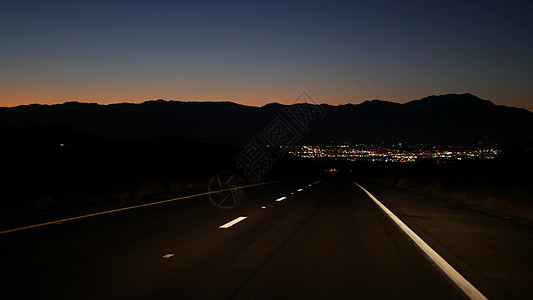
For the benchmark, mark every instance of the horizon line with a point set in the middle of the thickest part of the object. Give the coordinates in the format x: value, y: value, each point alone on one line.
x: 249, y: 105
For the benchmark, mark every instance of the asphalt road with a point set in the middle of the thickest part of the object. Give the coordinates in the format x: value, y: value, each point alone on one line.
x: 329, y: 240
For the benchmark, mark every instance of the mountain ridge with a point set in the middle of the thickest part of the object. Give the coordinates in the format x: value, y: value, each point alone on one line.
x: 450, y: 118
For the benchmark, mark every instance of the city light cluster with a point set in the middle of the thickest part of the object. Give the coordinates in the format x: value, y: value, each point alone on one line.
x: 395, y: 152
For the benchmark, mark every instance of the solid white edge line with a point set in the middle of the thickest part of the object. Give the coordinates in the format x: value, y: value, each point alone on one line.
x: 455, y: 276
x: 233, y: 222
x: 281, y: 199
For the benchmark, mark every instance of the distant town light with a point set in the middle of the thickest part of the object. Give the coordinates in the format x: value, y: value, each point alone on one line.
x: 394, y: 153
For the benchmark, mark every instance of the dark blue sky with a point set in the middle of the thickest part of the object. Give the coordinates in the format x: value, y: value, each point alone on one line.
x: 255, y: 52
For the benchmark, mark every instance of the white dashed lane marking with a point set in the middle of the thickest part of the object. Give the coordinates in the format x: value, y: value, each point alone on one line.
x: 233, y: 222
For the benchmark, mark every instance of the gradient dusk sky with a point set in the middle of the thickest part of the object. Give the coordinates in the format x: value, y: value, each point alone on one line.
x: 256, y: 52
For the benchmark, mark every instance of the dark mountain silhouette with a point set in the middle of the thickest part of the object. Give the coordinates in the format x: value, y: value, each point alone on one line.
x: 80, y: 156
x: 456, y: 119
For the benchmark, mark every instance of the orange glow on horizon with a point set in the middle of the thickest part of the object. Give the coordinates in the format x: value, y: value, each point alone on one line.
x: 49, y: 95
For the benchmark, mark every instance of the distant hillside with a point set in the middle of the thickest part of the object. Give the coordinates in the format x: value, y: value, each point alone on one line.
x: 456, y: 119
x: 449, y: 118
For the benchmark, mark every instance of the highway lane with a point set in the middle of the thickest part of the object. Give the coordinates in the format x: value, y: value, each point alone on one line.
x: 66, y: 259
x: 327, y: 240
x: 495, y: 253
